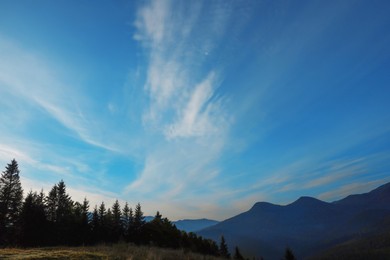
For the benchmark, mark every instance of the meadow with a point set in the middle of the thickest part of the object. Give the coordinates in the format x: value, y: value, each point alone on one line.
x: 117, y: 251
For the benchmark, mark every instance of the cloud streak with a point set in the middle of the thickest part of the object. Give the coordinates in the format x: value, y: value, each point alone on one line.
x: 29, y: 77
x: 186, y: 112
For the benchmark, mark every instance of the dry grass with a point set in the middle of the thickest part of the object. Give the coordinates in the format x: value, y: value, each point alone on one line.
x: 119, y: 251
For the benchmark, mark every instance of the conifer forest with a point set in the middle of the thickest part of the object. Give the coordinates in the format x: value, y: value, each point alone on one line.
x: 54, y: 219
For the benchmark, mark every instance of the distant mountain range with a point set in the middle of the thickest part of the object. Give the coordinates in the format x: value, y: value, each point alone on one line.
x: 190, y: 225
x: 308, y: 225
x: 193, y: 225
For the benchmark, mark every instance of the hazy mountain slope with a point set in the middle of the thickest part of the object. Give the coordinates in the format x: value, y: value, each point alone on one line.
x: 306, y: 225
x: 192, y: 225
x: 373, y: 245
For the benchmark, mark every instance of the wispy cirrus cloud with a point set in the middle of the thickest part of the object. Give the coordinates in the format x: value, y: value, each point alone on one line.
x: 351, y: 188
x: 185, y: 110
x: 30, y: 79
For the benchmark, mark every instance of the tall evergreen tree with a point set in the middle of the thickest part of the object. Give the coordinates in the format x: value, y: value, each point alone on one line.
x: 33, y: 223
x: 52, y: 204
x: 84, y: 225
x: 108, y: 227
x: 223, y: 249
x: 237, y: 254
x: 95, y: 225
x: 116, y: 221
x: 289, y: 255
x: 102, y: 222
x: 11, y: 199
x: 138, y: 224
x: 139, y: 219
x: 130, y: 228
x: 60, y: 214
x: 81, y: 228
x: 125, y: 220
x: 65, y: 204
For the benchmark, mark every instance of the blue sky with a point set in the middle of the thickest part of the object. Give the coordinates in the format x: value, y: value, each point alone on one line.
x: 196, y: 108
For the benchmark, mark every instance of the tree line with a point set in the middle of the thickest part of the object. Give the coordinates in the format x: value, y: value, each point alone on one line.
x: 55, y: 219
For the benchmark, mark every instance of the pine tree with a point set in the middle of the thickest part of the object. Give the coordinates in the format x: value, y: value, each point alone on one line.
x: 59, y: 212
x: 125, y: 220
x: 102, y: 213
x: 65, y: 204
x: 95, y: 225
x: 223, y: 249
x: 288, y: 254
x: 138, y: 224
x: 52, y: 204
x: 85, y: 221
x: 81, y: 223
x: 116, y: 221
x: 11, y: 199
x: 130, y: 228
x: 102, y: 222
x: 139, y: 219
x: 108, y: 228
x: 237, y: 254
x: 33, y: 223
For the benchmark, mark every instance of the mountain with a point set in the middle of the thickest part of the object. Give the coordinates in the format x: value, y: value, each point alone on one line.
x: 148, y: 218
x: 307, y: 225
x: 192, y: 225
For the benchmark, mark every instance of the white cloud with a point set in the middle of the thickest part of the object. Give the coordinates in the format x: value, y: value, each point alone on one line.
x: 186, y: 113
x: 151, y: 22
x: 201, y: 115
x: 28, y: 78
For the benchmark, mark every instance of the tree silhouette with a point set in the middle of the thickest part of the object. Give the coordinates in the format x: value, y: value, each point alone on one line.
x: 138, y: 224
x: 81, y: 225
x: 59, y: 209
x: 95, y: 225
x: 161, y: 232
x: 11, y: 199
x: 288, y: 254
x: 55, y: 220
x: 237, y: 254
x: 52, y: 204
x: 33, y: 223
x: 116, y: 222
x: 102, y: 230
x: 223, y: 249
x: 125, y: 221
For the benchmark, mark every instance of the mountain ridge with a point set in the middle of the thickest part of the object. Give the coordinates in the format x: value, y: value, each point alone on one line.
x: 193, y: 225
x: 307, y: 224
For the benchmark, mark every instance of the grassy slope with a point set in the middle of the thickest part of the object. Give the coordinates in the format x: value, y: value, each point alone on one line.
x: 120, y: 251
x: 373, y: 247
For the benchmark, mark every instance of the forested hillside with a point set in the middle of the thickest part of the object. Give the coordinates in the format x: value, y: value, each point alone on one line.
x: 54, y: 219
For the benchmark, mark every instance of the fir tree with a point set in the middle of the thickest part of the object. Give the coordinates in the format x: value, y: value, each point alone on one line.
x: 125, y: 220
x: 84, y: 225
x: 81, y: 222
x: 52, y: 204
x: 138, y: 224
x: 33, y: 223
x: 237, y: 254
x: 95, y: 225
x: 102, y: 222
x: 116, y: 221
x: 130, y: 228
x: 223, y: 249
x: 11, y: 199
x: 288, y: 254
x: 102, y: 213
x: 60, y: 214
x: 108, y: 229
x: 139, y: 219
x: 64, y: 204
